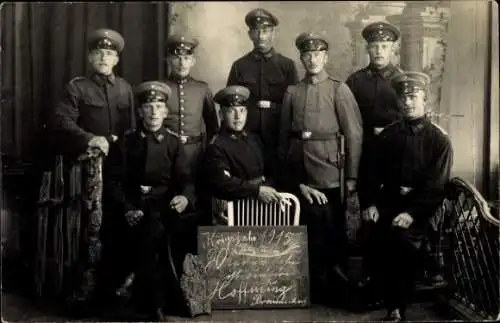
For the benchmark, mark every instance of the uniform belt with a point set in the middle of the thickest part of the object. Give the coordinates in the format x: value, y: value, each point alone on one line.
x: 313, y: 135
x: 186, y: 140
x: 265, y: 104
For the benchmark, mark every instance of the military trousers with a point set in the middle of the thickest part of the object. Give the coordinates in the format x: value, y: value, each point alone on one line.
x: 160, y: 242
x: 327, y: 240
x: 393, y: 256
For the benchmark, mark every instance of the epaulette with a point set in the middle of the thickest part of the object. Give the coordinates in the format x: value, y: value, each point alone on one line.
x: 175, y: 134
x: 440, y: 128
x: 334, y: 79
x: 200, y: 81
x: 214, y: 137
x: 78, y: 78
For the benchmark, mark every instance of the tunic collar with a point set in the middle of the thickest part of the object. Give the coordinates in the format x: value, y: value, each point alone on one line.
x: 233, y: 134
x: 317, y: 78
x: 180, y: 80
x: 258, y: 55
x: 103, y: 79
x: 158, y: 135
x: 385, y: 72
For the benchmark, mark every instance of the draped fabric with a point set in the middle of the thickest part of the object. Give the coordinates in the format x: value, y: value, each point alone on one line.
x: 44, y: 46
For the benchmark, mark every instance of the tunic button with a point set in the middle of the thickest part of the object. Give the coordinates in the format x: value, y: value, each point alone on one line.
x: 182, y: 116
x: 182, y: 132
x: 182, y: 93
x: 182, y: 123
x: 181, y: 100
x: 182, y: 108
x: 180, y: 86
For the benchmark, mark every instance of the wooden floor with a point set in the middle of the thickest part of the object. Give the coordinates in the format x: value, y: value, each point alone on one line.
x: 16, y: 308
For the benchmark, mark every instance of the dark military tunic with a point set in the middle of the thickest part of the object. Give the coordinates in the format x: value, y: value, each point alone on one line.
x: 267, y: 77
x: 144, y: 159
x: 191, y: 113
x: 414, y: 154
x: 412, y: 167
x: 377, y: 100
x: 92, y: 106
x: 145, y: 172
x: 234, y: 165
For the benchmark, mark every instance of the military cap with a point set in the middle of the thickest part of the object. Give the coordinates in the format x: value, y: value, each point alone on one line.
x: 180, y: 44
x: 260, y: 18
x: 234, y: 95
x: 380, y: 31
x: 310, y: 41
x: 410, y: 82
x: 106, y: 39
x: 153, y: 91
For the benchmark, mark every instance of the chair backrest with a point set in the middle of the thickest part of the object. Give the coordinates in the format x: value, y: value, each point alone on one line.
x: 252, y: 212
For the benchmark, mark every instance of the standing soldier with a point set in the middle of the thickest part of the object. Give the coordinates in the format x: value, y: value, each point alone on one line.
x: 95, y: 110
x: 412, y: 167
x: 192, y: 114
x: 315, y: 112
x: 149, y: 180
x: 267, y: 74
x: 377, y: 100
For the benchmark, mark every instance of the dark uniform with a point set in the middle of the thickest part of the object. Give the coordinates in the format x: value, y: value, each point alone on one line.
x: 94, y: 105
x: 234, y: 162
x: 192, y: 115
x: 378, y: 104
x: 377, y: 100
x: 267, y: 76
x: 315, y: 111
x: 146, y: 171
x: 412, y: 167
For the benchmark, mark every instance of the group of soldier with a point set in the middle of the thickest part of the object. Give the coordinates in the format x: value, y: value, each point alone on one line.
x: 273, y: 133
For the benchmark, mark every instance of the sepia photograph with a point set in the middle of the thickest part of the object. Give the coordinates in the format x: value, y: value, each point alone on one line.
x: 250, y: 161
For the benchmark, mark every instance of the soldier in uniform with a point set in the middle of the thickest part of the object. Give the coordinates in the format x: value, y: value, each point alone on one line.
x: 267, y: 74
x: 315, y: 111
x: 378, y: 104
x: 94, y: 112
x: 412, y: 167
x: 193, y: 116
x: 149, y: 179
x: 234, y: 162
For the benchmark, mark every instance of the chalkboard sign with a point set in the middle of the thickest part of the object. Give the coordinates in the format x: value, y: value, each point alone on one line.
x: 255, y: 267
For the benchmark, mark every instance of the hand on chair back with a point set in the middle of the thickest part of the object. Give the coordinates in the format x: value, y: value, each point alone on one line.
x: 267, y: 194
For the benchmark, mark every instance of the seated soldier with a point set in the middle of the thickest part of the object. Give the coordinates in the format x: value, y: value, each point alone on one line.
x: 233, y: 165
x: 149, y: 180
x: 412, y: 167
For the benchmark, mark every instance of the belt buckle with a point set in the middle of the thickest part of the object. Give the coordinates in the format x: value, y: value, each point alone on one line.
x: 306, y: 134
x: 183, y: 139
x: 145, y: 189
x: 264, y: 104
